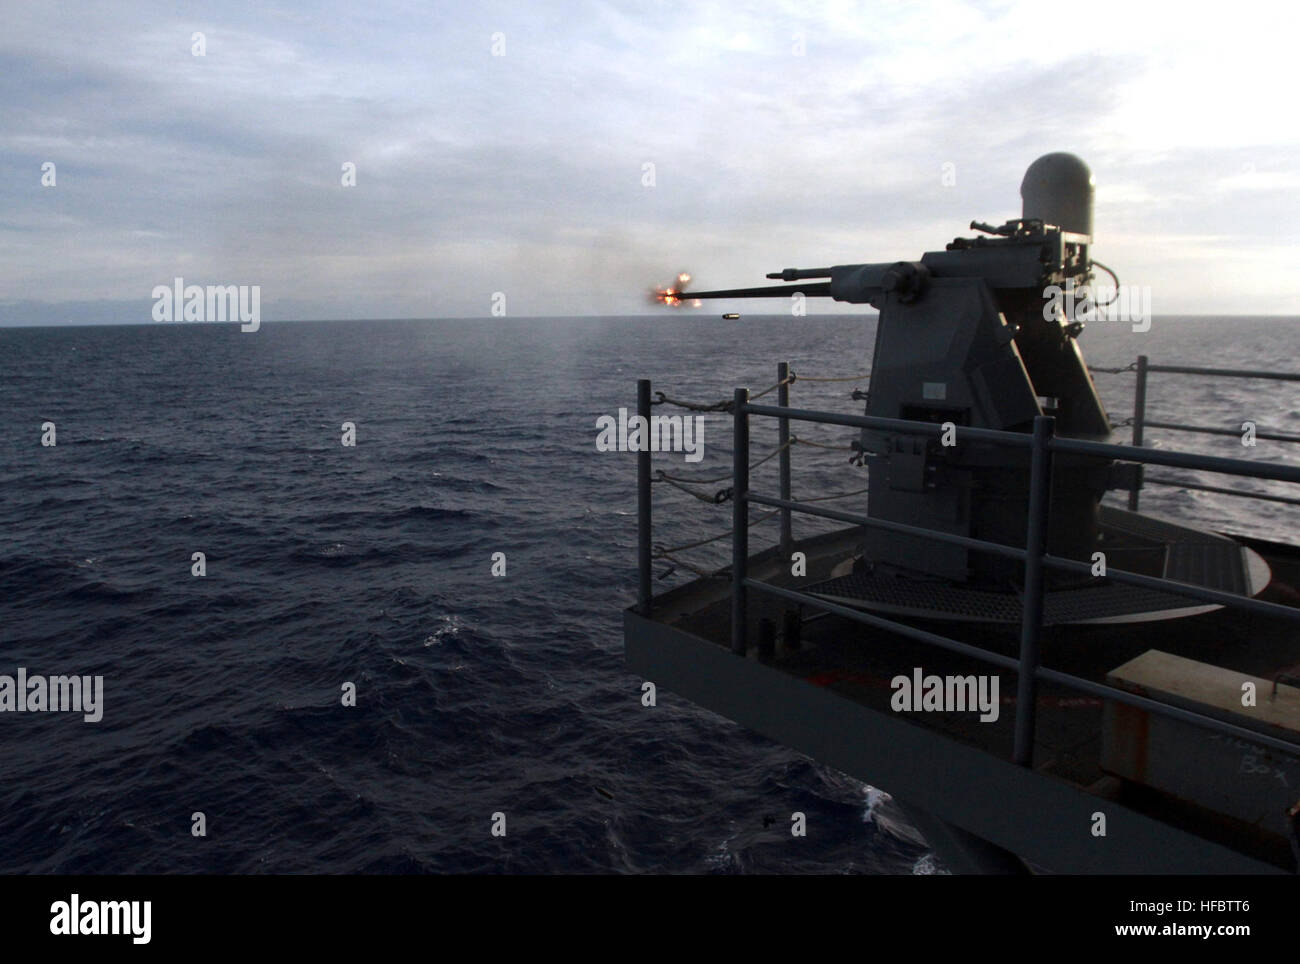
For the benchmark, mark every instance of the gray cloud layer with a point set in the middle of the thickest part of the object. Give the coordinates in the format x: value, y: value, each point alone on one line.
x: 780, y: 134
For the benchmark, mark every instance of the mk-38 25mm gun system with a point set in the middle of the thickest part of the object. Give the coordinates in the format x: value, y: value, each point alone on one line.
x: 985, y: 540
x: 972, y: 336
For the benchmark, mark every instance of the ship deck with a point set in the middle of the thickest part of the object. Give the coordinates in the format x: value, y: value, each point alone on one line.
x: 830, y: 698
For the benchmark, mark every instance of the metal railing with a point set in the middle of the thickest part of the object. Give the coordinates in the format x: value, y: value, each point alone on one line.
x: 1144, y: 368
x: 1043, y: 444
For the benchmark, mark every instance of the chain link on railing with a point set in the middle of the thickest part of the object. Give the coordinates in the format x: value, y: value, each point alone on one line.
x: 704, y: 542
x: 725, y: 495
x: 726, y: 405
x: 1113, y: 371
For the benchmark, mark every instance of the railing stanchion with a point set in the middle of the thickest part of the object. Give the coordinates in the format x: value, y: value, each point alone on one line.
x: 740, y: 519
x: 643, y: 536
x: 1031, y: 625
x: 1139, y: 417
x: 783, y: 439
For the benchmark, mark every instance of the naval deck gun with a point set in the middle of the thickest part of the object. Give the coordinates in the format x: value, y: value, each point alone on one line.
x: 976, y: 335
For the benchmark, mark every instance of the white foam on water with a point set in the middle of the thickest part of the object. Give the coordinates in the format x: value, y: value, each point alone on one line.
x: 928, y: 864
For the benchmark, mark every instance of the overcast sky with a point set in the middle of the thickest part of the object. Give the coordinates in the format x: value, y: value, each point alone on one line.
x: 787, y: 133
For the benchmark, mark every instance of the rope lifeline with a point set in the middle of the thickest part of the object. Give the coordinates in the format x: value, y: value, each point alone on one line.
x: 846, y: 378
x: 728, y: 404
x: 658, y: 551
x: 827, y: 498
x: 1131, y: 367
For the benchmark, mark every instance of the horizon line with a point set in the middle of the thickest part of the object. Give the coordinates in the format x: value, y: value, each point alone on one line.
x: 322, y: 321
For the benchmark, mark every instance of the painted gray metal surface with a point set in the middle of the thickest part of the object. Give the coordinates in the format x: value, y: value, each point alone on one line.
x: 1042, y: 819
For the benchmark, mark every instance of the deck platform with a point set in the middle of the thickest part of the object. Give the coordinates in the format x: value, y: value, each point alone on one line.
x: 829, y: 698
x: 1131, y: 541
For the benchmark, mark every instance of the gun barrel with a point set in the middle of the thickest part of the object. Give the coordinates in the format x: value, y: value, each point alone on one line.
x: 799, y: 274
x: 821, y: 289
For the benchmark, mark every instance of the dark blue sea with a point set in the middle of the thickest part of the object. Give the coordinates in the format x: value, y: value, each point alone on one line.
x: 372, y: 564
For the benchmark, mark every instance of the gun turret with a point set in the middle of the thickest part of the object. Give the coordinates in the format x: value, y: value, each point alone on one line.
x: 973, y: 335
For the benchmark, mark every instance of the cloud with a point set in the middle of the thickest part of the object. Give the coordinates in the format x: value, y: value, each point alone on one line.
x: 792, y: 134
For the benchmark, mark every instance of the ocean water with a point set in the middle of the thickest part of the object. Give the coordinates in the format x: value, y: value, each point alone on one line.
x: 372, y: 565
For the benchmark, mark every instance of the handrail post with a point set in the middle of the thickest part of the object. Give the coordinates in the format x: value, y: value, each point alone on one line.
x: 740, y: 519
x: 1139, y: 416
x: 1031, y: 623
x: 643, y: 503
x: 783, y: 439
